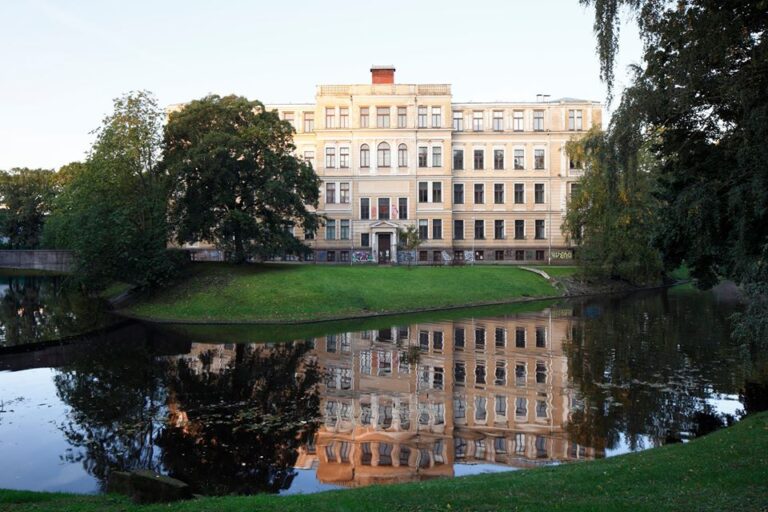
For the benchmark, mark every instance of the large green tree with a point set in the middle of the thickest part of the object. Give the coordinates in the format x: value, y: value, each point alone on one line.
x: 236, y: 181
x: 112, y: 210
x: 26, y: 195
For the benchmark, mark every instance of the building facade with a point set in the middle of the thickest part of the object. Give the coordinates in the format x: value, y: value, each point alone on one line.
x: 480, y: 181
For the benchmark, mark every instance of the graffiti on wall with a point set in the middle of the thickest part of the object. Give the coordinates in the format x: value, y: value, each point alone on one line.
x: 565, y: 254
x: 406, y: 257
x: 362, y: 257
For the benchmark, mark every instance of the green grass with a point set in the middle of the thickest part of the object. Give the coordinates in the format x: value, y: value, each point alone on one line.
x: 114, y: 290
x: 558, y: 271
x: 212, y: 292
x: 727, y: 470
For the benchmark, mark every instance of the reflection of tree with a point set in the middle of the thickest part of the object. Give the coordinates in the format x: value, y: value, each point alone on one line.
x: 238, y: 430
x: 35, y: 309
x: 644, y: 366
x: 116, y: 400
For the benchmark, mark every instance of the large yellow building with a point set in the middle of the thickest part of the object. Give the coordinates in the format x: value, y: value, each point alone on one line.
x: 481, y: 181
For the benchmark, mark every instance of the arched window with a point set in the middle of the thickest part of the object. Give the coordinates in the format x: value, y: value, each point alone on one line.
x: 383, y: 158
x: 402, y: 155
x: 365, y: 156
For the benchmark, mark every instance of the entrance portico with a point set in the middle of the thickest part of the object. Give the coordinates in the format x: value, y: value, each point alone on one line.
x: 384, y: 241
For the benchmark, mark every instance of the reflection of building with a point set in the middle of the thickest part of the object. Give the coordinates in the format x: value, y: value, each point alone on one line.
x: 486, y: 391
x: 407, y: 403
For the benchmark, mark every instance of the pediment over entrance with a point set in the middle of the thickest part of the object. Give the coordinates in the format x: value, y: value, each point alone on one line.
x: 384, y: 224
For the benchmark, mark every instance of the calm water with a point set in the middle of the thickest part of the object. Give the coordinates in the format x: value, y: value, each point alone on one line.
x: 232, y: 410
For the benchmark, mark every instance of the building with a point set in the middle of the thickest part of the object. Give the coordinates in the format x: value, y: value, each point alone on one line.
x: 481, y: 181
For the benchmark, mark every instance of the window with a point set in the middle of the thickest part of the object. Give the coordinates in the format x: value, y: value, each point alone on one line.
x: 458, y: 121
x: 479, y: 230
x: 458, y: 159
x: 458, y: 338
x: 330, y: 230
x: 519, y: 229
x: 437, y: 341
x: 538, y: 159
x: 499, y: 255
x: 309, y: 156
x: 365, y: 208
x: 521, y: 406
x: 574, y: 190
x: 330, y: 158
x: 309, y: 235
x: 519, y: 159
x: 344, y: 229
x: 498, y: 193
x: 541, y: 337
x: 501, y: 411
x: 402, y: 208
x: 288, y: 116
x: 477, y: 121
x: 458, y: 193
x: 517, y: 120
x: 423, y: 191
x: 480, y: 415
x: 422, y: 118
x: 459, y: 373
x: 365, y: 156
x: 437, y: 229
x: 541, y: 412
x: 423, y: 230
x: 479, y: 193
x: 458, y: 230
x: 402, y: 155
x: 539, y: 255
x: 344, y: 157
x: 540, y: 234
x: 437, y: 156
x: 437, y: 192
x: 344, y: 192
x: 364, y: 117
x: 309, y: 121
x: 574, y: 120
x: 382, y: 117
x: 343, y: 117
x: 480, y: 374
x: 500, y: 337
x: 365, y: 240
x: 330, y: 193
x: 541, y: 372
x: 520, y: 374
x: 498, y: 229
x: 382, y: 158
x: 500, y: 379
x: 423, y: 152
x: 520, y: 337
x: 402, y: 117
x: 519, y: 193
x: 479, y: 159
x: 538, y: 120
x: 498, y: 120
x: 437, y: 118
x: 383, y: 208
x: 498, y: 159
x: 330, y: 117
x: 538, y: 193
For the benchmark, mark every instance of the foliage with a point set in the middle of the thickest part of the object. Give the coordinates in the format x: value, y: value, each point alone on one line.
x: 409, y: 240
x: 112, y: 210
x: 235, y: 180
x: 26, y: 195
x: 611, y: 216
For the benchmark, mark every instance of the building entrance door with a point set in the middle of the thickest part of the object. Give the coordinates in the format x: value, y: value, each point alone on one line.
x: 385, y: 247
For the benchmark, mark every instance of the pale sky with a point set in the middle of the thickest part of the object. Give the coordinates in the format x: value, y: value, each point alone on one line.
x: 62, y: 62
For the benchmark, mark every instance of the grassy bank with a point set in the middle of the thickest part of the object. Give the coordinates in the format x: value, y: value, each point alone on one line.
x: 211, y: 292
x: 727, y: 470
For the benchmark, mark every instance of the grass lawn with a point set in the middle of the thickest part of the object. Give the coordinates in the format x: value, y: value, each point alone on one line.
x: 727, y: 470
x: 558, y: 271
x: 215, y: 291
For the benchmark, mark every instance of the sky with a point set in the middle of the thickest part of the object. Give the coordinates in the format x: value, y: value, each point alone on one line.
x: 63, y: 61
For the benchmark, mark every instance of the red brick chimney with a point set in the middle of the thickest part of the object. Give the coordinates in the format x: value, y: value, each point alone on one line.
x: 382, y: 74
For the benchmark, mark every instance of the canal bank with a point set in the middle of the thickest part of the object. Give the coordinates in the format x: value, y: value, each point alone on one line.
x: 726, y: 470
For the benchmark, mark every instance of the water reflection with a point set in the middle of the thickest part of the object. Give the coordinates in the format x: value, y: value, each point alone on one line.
x: 424, y: 399
x: 34, y: 309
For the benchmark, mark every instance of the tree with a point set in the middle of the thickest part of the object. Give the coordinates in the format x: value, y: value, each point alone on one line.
x: 27, y: 195
x: 235, y: 180
x: 409, y: 240
x: 112, y: 210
